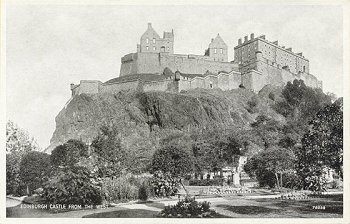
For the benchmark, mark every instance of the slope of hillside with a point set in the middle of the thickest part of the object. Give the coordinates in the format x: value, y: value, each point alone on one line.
x: 144, y: 118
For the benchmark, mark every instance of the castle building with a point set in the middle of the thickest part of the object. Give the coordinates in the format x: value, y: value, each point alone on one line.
x: 154, y: 54
x: 154, y: 67
x: 150, y: 42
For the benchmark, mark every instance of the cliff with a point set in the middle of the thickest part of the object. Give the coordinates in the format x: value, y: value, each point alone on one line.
x: 144, y: 118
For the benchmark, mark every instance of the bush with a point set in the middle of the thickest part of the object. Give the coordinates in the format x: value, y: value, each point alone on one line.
x: 272, y: 96
x: 120, y: 189
x: 73, y: 186
x: 252, y: 104
x: 206, y: 182
x: 34, y: 168
x: 143, y: 194
x: 164, y: 185
x: 188, y: 208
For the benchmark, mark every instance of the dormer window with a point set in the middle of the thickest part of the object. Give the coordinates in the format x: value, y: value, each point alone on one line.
x: 147, y: 41
x: 154, y: 40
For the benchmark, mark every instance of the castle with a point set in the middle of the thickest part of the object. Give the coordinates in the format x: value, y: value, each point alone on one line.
x: 154, y: 67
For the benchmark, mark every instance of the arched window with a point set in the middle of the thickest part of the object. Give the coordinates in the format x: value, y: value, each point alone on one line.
x: 154, y: 48
x: 154, y: 40
x: 214, y: 50
x: 147, y: 41
x: 221, y: 51
x: 147, y: 48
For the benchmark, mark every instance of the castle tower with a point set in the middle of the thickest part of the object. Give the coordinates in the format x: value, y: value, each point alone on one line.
x: 217, y: 49
x: 151, y: 42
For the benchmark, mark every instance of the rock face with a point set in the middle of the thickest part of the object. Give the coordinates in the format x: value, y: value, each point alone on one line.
x: 143, y: 119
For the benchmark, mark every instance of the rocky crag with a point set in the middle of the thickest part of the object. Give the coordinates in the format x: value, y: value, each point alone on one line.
x: 142, y: 119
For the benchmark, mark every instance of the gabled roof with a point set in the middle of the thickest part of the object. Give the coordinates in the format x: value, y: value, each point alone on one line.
x: 217, y: 41
x: 150, y: 32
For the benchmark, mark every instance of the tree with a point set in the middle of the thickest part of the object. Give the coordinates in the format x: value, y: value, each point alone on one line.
x: 322, y: 146
x: 172, y: 161
x: 271, y: 164
x: 18, y: 140
x: 69, y: 154
x: 300, y: 102
x: 268, y: 129
x: 18, y: 143
x: 78, y: 186
x: 110, y: 156
x: 34, y: 168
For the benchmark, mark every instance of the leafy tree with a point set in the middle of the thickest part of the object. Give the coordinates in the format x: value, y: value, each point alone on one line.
x: 110, y: 156
x: 69, y: 154
x: 18, y: 139
x: 268, y: 129
x: 173, y: 161
x: 73, y: 186
x: 322, y: 146
x: 216, y: 149
x: 18, y: 143
x: 34, y: 168
x: 13, y: 182
x: 270, y: 165
x: 300, y: 102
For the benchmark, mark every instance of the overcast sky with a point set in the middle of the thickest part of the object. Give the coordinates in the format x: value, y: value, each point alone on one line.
x: 49, y: 47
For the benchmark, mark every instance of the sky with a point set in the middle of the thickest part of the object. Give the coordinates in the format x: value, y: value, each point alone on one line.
x: 50, y: 46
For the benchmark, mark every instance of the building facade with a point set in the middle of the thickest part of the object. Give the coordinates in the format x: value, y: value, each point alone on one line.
x: 155, y: 67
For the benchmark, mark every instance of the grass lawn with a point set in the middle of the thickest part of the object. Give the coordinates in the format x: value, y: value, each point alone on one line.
x: 330, y: 206
x: 128, y: 213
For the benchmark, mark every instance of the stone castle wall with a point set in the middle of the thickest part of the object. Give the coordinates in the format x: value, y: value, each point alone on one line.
x: 224, y: 81
x: 146, y: 63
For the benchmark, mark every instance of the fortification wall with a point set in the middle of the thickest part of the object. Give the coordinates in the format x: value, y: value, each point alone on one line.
x: 156, y: 86
x: 139, y: 63
x: 253, y: 80
x: 119, y: 86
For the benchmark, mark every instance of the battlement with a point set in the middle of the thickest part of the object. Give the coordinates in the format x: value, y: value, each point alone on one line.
x: 257, y: 62
x: 263, y: 39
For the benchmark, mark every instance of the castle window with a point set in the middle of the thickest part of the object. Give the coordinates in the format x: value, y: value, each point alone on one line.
x: 154, y: 48
x: 221, y: 51
x: 147, y: 41
x: 214, y: 50
x: 154, y: 40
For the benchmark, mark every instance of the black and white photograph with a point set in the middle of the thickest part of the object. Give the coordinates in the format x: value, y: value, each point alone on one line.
x: 186, y: 111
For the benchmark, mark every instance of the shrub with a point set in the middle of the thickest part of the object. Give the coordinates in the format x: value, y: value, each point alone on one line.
x: 252, y: 104
x: 143, y: 194
x: 164, y: 185
x: 188, y: 208
x: 206, y: 182
x: 272, y: 96
x: 73, y: 186
x: 120, y: 189
x: 34, y: 168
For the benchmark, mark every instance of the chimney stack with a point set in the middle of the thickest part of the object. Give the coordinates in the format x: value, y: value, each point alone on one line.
x: 239, y: 41
x: 245, y: 39
x: 251, y: 36
x: 212, y: 40
x: 149, y: 25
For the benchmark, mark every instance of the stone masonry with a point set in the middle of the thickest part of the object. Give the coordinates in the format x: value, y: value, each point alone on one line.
x: 155, y: 67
